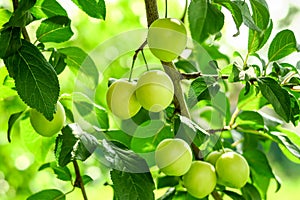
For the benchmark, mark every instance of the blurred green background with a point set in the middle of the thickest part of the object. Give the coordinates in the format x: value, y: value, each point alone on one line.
x: 20, y: 159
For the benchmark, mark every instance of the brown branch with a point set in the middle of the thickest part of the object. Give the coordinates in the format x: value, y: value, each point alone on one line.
x: 79, y: 181
x: 195, y: 75
x: 216, y: 195
x: 23, y: 29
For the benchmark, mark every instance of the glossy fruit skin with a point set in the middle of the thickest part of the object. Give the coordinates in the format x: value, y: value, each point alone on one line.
x: 167, y: 38
x: 214, y: 155
x: 45, y: 127
x: 232, y: 170
x: 121, y: 99
x: 201, y: 179
x: 173, y: 157
x: 155, y: 90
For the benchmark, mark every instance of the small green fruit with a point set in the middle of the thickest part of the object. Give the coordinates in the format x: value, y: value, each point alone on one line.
x: 232, y: 170
x: 214, y: 155
x: 201, y: 179
x: 45, y: 127
x: 121, y: 99
x: 173, y: 157
x: 155, y: 90
x: 167, y: 38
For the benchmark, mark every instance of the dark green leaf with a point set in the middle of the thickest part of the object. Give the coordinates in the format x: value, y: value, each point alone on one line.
x: 257, y: 40
x: 102, y: 118
x: 129, y: 186
x: 47, y: 9
x: 11, y: 121
x: 86, y: 179
x: 74, y: 143
x: 261, y: 171
x: 35, y: 79
x: 55, y: 29
x: 63, y: 173
x: 282, y: 45
x: 51, y: 194
x: 250, y: 192
x: 295, y: 111
x: 10, y: 41
x: 57, y: 60
x: 278, y: 97
x: 80, y: 62
x: 234, y: 195
x: 94, y: 8
x: 119, y: 136
x: 22, y: 16
x: 186, y: 66
x: 235, y: 12
x: 120, y: 159
x: 202, y: 88
x: 167, y: 181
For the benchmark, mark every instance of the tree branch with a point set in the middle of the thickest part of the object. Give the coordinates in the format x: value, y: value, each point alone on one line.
x: 23, y: 29
x: 195, y: 75
x: 78, y: 180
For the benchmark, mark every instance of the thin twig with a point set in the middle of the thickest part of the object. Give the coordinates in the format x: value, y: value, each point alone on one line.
x: 185, y: 10
x: 195, y: 75
x: 79, y: 181
x: 135, y: 57
x: 216, y: 195
x: 166, y: 11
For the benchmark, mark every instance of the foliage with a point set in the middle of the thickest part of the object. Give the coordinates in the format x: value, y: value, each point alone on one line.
x: 36, y: 72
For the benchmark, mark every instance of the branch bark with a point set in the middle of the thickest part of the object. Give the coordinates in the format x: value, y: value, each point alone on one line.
x: 78, y: 180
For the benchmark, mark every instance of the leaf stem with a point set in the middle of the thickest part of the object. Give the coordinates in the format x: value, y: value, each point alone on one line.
x: 135, y: 57
x: 216, y: 195
x: 185, y: 11
x: 195, y: 75
x: 166, y: 11
x: 79, y: 181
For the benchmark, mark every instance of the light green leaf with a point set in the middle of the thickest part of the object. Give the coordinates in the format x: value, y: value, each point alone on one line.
x: 55, y: 29
x: 94, y: 8
x: 261, y: 15
x: 4, y: 16
x: 35, y: 79
x: 282, y: 45
x: 47, y: 9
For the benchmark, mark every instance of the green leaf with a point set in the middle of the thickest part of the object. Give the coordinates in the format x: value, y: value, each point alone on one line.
x: 261, y: 171
x: 233, y: 195
x: 11, y: 121
x: 94, y: 8
x: 278, y: 97
x: 62, y: 173
x: 250, y: 120
x: 261, y: 15
x: 102, y: 117
x: 57, y: 60
x: 252, y: 100
x: 120, y: 159
x: 47, y: 9
x: 190, y: 131
x: 235, y: 12
x: 202, y: 88
x: 247, y: 18
x: 167, y: 181
x: 282, y: 45
x: 55, y: 29
x: 74, y: 144
x: 186, y: 66
x: 119, y: 136
x: 4, y: 16
x: 129, y: 186
x: 257, y: 40
x: 22, y: 16
x: 50, y: 194
x: 250, y: 192
x: 205, y: 19
x: 35, y: 79
x: 10, y: 41
x: 80, y: 62
x: 284, y: 140
x: 86, y: 179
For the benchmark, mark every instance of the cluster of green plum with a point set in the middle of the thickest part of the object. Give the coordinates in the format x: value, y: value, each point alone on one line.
x: 226, y: 167
x: 153, y: 91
